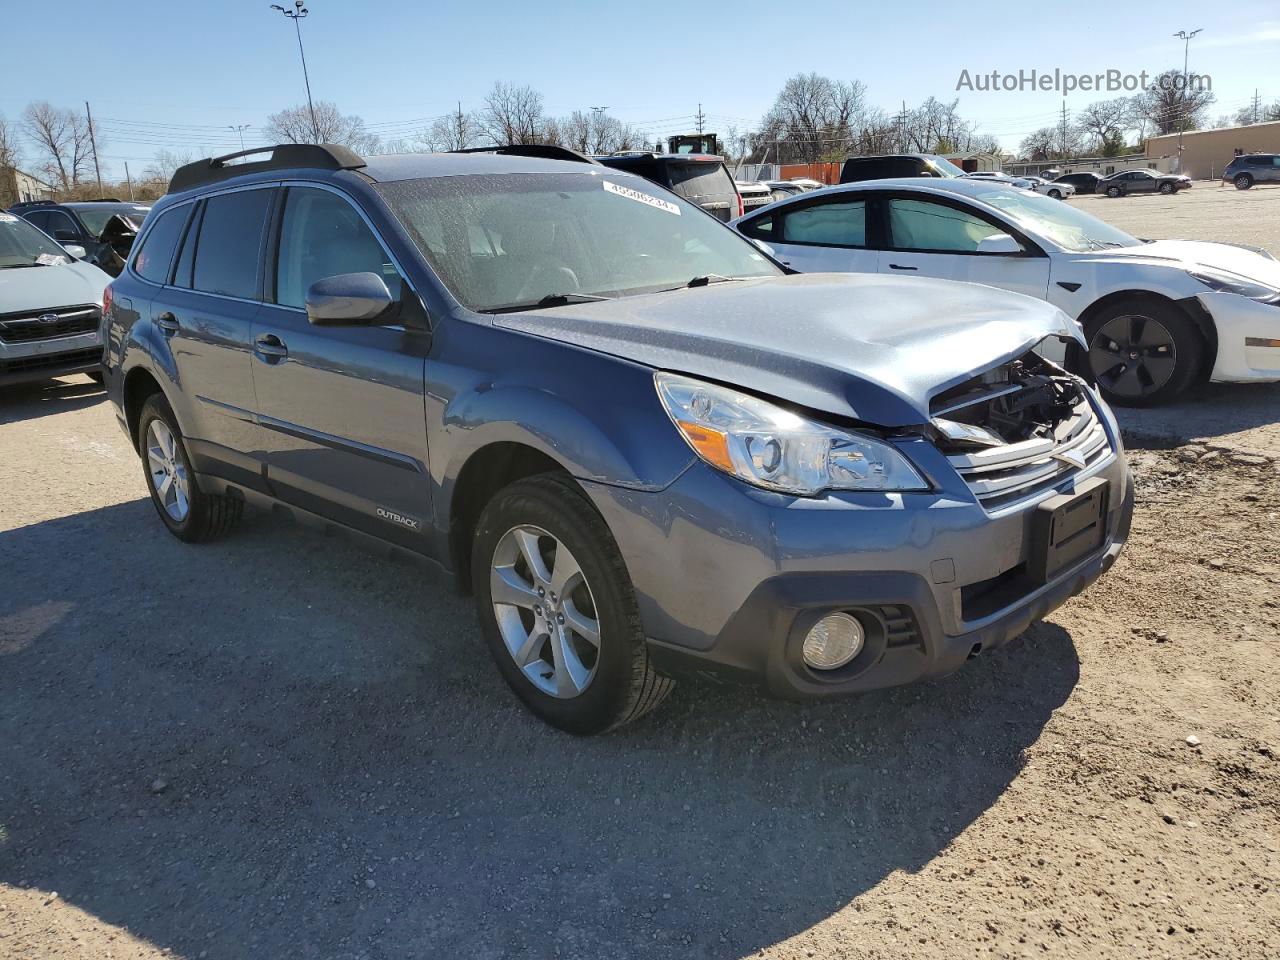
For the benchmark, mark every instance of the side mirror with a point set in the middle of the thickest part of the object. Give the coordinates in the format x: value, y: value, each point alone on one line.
x: 348, y: 299
x: 999, y: 243
x: 75, y: 250
x: 62, y: 234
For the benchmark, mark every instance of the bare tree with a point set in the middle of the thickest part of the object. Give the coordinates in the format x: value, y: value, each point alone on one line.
x: 293, y: 125
x: 164, y: 164
x: 8, y: 144
x: 1171, y: 104
x: 457, y: 131
x: 512, y: 115
x: 62, y: 141
x: 814, y: 116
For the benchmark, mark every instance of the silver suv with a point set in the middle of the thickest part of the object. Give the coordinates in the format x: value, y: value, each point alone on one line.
x: 1245, y: 171
x: 50, y: 306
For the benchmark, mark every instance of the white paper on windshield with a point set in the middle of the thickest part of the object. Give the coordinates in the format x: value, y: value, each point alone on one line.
x: 51, y: 260
x: 637, y: 195
x: 8, y: 218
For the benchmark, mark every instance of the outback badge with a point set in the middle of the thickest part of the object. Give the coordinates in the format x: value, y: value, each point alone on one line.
x: 404, y: 521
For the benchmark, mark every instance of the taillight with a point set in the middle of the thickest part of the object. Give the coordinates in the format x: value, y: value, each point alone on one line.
x: 741, y: 209
x: 106, y: 300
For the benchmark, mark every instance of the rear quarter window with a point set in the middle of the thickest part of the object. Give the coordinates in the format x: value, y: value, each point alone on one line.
x: 155, y: 256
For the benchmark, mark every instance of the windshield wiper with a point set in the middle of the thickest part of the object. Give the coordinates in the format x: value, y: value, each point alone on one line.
x: 15, y: 266
x: 702, y: 281
x: 550, y: 300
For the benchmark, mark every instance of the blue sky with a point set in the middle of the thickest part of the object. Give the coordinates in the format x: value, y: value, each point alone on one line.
x: 196, y: 68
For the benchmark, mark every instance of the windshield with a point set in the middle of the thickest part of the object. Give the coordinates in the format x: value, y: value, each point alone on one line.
x: 505, y: 241
x: 22, y: 245
x: 1067, y: 226
x: 96, y: 217
x: 946, y: 167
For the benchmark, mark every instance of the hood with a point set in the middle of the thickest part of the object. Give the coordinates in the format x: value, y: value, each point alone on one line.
x: 1192, y: 253
x: 39, y: 288
x: 863, y: 346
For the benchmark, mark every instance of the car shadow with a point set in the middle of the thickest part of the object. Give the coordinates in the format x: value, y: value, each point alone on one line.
x: 278, y: 745
x: 40, y: 398
x: 1210, y: 413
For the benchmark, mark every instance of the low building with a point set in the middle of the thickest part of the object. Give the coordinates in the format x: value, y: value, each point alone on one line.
x: 19, y: 187
x: 1206, y: 152
x: 1102, y: 166
x: 975, y: 162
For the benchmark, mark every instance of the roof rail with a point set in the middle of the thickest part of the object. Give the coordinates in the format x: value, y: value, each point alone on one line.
x: 545, y: 151
x: 103, y: 200
x: 34, y: 203
x: 284, y: 156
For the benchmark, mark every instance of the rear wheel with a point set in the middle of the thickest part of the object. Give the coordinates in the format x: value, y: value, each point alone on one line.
x: 558, y: 610
x: 1243, y: 181
x: 1144, y: 351
x: 188, y: 512
x: 1114, y: 191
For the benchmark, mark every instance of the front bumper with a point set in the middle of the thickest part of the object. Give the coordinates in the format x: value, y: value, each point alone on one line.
x: 1248, y: 338
x: 57, y: 357
x: 729, y: 578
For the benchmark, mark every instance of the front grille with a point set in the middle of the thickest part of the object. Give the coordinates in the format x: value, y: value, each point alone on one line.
x: 49, y: 361
x: 29, y: 325
x: 1000, y: 475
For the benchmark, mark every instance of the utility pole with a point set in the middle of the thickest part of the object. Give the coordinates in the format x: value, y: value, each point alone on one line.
x: 296, y: 14
x: 1064, y: 128
x: 128, y: 179
x: 701, y: 118
x: 902, y: 127
x: 1185, y: 37
x: 1257, y: 104
x: 94, y: 144
x: 240, y: 128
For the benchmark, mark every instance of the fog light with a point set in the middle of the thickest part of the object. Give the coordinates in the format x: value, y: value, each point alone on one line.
x: 833, y: 641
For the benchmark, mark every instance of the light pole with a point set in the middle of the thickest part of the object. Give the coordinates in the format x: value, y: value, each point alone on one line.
x: 239, y: 128
x: 296, y: 14
x: 1184, y: 36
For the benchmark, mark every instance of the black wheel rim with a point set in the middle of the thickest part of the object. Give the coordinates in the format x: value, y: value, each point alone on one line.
x: 1133, y: 355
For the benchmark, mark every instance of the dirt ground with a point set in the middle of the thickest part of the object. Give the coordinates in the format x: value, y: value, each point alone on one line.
x: 281, y: 746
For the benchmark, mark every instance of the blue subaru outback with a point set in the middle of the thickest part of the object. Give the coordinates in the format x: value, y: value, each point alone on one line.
x: 645, y: 448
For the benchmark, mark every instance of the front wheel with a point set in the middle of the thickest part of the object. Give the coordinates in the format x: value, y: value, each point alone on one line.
x: 189, y: 513
x: 558, y: 609
x: 1114, y: 192
x: 1056, y: 194
x: 1144, y: 351
x: 1243, y: 181
x: 1166, y: 188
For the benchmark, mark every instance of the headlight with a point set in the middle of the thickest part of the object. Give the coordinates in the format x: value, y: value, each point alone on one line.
x: 1231, y: 283
x: 777, y: 449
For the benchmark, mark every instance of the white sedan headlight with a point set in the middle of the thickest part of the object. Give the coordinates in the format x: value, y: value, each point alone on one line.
x: 1225, y: 282
x: 774, y: 448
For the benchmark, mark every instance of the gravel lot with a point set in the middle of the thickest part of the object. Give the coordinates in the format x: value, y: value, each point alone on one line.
x: 280, y: 746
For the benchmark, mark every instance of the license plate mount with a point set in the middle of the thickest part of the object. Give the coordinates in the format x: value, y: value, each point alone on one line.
x: 1068, y: 527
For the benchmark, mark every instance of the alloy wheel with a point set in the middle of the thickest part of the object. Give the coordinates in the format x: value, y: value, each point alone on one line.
x: 1133, y: 355
x: 168, y: 473
x: 545, y: 611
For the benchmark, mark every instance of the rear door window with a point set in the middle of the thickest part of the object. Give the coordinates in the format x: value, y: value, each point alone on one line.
x: 230, y: 241
x: 156, y: 253
x: 827, y: 224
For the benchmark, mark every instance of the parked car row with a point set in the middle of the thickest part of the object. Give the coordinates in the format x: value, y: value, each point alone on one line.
x: 648, y: 448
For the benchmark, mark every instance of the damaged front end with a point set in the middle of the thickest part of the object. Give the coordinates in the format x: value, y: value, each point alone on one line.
x: 1019, y: 429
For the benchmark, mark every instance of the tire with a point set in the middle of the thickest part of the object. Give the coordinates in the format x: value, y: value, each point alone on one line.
x: 1167, y: 188
x: 1170, y: 351
x: 614, y: 682
x: 1243, y: 181
x: 206, y: 516
x: 1114, y: 192
x: 1056, y: 194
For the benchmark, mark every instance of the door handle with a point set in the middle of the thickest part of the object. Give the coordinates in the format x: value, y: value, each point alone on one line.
x: 167, y: 322
x: 898, y: 266
x: 269, y: 348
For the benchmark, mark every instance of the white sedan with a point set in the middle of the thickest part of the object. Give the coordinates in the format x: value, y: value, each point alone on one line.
x: 1157, y: 314
x: 1059, y: 191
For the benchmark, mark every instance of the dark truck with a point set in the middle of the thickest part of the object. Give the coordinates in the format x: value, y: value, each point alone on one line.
x: 700, y: 178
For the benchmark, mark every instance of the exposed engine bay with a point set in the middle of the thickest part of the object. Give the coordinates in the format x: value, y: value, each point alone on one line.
x: 1024, y: 399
